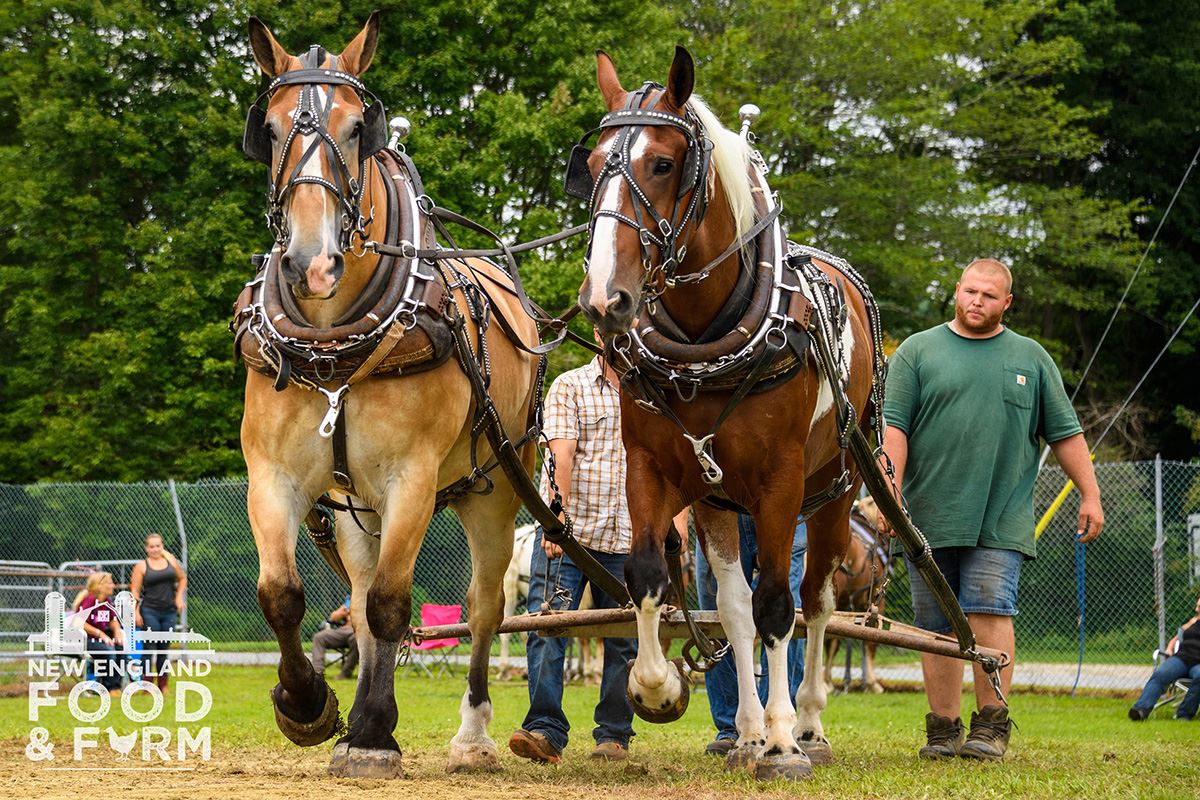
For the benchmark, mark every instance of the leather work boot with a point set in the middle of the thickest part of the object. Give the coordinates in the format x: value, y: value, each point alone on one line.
x: 944, y: 737
x: 988, y: 739
x: 610, y: 751
x: 534, y: 746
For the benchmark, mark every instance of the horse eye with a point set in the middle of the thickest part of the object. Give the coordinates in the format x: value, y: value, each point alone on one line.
x: 354, y: 134
x: 664, y: 166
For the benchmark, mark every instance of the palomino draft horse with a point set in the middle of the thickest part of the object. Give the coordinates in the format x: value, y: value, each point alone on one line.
x: 723, y: 405
x: 350, y: 389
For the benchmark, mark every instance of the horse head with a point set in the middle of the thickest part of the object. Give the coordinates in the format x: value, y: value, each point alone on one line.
x: 644, y: 173
x: 316, y: 134
x: 663, y: 165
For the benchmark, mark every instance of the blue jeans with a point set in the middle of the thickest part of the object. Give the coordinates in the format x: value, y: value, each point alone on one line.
x: 106, y: 675
x: 614, y: 715
x: 158, y: 619
x: 721, y: 681
x: 1164, y: 675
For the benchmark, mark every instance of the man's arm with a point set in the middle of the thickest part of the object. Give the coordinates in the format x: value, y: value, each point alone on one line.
x: 1072, y: 454
x: 563, y: 451
x: 895, y: 445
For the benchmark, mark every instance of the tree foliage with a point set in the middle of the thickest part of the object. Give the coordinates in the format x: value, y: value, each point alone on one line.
x: 905, y: 137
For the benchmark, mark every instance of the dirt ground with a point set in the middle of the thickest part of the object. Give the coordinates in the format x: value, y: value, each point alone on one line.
x: 300, y: 775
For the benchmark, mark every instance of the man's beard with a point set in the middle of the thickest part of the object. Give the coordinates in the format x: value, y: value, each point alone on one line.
x: 984, y: 324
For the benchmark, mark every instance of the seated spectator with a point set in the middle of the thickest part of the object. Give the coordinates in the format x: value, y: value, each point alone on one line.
x: 103, y: 629
x: 1183, y: 661
x: 340, y: 633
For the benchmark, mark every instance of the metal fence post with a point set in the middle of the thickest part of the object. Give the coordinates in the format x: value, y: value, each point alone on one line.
x: 1160, y: 601
x: 183, y: 548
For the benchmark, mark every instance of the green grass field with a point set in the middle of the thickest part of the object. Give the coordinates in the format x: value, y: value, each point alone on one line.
x: 1084, y: 747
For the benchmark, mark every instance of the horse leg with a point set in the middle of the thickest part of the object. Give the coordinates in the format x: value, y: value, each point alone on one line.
x: 657, y: 688
x: 828, y: 535
x: 306, y: 709
x: 719, y: 532
x: 488, y: 521
x: 370, y: 749
x: 831, y: 647
x: 359, y: 552
x: 775, y: 619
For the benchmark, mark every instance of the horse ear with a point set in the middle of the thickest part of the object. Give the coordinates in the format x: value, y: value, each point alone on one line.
x: 610, y: 85
x: 358, y: 54
x: 682, y: 78
x: 269, y: 54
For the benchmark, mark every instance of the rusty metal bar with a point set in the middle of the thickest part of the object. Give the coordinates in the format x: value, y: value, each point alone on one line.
x: 621, y: 622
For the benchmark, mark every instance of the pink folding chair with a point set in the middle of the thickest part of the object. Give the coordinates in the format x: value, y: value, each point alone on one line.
x: 435, y: 652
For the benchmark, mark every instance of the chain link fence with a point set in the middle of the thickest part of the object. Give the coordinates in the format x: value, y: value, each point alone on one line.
x: 1139, y: 581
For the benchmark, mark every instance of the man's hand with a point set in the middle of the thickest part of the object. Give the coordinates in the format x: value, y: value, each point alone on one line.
x: 553, y: 551
x: 1091, y: 519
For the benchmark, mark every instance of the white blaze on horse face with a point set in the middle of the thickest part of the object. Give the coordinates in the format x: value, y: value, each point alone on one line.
x: 318, y: 270
x: 602, y: 264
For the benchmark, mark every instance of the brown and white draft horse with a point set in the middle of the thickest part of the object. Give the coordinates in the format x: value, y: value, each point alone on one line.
x: 407, y: 435
x: 857, y: 584
x: 777, y: 445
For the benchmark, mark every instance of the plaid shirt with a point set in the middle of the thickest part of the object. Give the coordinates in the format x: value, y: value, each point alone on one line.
x: 584, y: 407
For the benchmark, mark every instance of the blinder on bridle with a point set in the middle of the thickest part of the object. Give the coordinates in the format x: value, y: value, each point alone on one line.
x: 664, y: 232
x: 308, y: 119
x: 579, y: 184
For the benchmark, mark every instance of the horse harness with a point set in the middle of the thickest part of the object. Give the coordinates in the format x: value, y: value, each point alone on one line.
x: 779, y: 307
x: 405, y: 321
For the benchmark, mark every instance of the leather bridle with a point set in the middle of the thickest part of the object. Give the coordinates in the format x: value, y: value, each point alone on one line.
x: 311, y: 117
x: 665, y: 233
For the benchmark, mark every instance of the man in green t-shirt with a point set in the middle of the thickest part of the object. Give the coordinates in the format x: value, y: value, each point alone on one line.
x: 965, y: 406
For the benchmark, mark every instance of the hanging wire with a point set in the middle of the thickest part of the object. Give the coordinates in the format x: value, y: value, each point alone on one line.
x: 1145, y: 375
x: 1125, y: 294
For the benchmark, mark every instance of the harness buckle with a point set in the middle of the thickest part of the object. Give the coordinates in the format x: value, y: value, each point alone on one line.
x: 710, y: 472
x: 664, y: 227
x: 329, y: 422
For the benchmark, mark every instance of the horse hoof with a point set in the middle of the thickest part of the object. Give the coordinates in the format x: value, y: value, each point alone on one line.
x: 478, y: 757
x: 307, y: 734
x: 664, y: 713
x: 357, y: 762
x: 788, y: 767
x: 743, y: 758
x: 819, y: 751
x: 876, y: 688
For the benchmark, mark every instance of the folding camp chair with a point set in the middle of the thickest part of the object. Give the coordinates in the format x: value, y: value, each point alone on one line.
x: 1175, y: 692
x: 435, y: 652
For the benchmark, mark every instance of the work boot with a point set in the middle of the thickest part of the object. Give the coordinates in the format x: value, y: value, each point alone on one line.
x: 610, y: 751
x: 943, y: 737
x: 1138, y: 714
x: 534, y: 746
x: 988, y: 739
x: 719, y: 747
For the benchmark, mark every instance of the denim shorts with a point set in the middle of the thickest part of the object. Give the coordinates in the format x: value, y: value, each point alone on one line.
x: 984, y: 580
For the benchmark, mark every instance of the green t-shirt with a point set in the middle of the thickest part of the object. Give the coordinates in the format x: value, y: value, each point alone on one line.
x: 973, y: 410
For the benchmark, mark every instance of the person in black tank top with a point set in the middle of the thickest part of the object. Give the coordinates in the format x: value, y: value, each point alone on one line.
x: 1183, y: 662
x: 158, y: 584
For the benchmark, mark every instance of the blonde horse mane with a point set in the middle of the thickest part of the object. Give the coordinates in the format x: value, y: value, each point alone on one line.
x: 731, y: 160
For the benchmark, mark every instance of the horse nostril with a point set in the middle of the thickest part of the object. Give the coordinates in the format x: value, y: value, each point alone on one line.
x: 620, y: 304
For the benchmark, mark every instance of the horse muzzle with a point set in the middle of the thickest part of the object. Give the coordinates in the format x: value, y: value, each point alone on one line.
x: 313, y: 276
x: 612, y: 316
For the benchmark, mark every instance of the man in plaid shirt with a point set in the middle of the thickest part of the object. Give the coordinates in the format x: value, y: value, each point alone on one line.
x: 583, y: 426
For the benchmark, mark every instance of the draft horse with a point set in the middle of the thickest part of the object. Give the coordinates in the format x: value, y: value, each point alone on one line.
x: 705, y: 310
x: 858, y: 583
x: 351, y: 388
